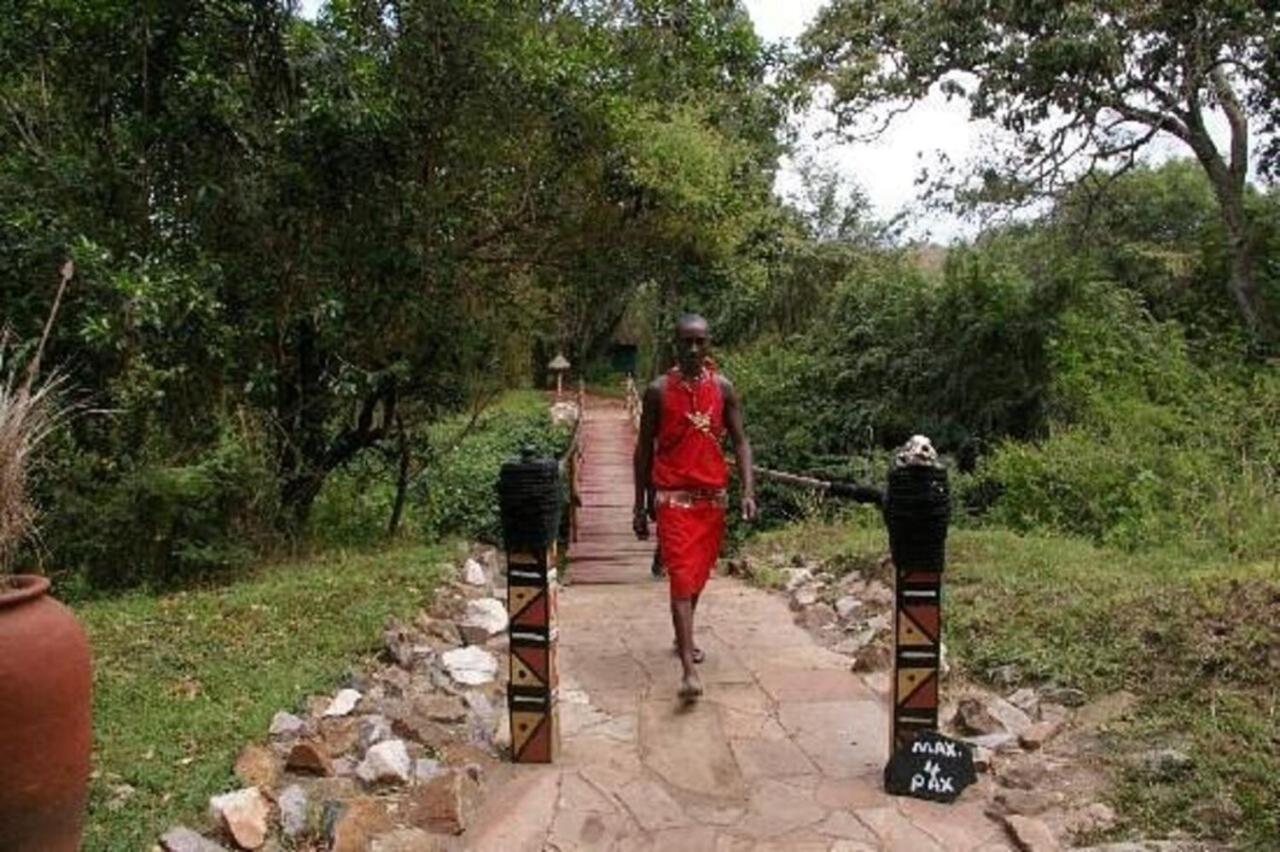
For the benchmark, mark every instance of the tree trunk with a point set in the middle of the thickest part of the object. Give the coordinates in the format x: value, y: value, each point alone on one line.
x: 402, y: 481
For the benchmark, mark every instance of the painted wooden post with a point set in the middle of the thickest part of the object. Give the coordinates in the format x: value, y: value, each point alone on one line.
x: 917, y: 511
x: 528, y: 492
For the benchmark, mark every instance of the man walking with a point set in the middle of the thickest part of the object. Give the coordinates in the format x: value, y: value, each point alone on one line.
x: 681, y: 477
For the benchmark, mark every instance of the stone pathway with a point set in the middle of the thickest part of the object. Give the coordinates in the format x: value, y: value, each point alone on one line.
x: 784, y: 751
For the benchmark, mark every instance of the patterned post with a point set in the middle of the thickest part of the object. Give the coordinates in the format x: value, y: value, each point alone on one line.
x: 917, y: 510
x: 528, y: 492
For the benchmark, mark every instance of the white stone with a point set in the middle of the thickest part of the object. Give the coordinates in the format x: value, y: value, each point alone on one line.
x: 470, y: 666
x: 473, y: 573
x: 285, y: 725
x: 343, y: 703
x: 386, y: 762
x: 805, y: 596
x: 243, y: 815
x: 484, y: 618
x: 293, y: 810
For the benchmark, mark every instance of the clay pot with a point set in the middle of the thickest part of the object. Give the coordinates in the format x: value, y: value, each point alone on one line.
x: 44, y: 719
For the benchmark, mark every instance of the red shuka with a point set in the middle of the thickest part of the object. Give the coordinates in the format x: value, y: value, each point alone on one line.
x: 687, y: 457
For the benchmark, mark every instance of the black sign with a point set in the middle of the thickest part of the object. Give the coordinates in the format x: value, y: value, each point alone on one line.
x: 930, y: 767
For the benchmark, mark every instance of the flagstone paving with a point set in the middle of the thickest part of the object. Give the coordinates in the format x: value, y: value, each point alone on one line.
x: 784, y: 751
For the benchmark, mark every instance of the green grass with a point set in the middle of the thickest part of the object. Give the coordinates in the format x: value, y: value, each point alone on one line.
x: 182, y: 681
x: 1197, y: 641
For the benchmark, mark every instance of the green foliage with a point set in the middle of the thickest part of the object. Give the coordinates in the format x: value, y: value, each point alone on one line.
x: 453, y: 493
x: 1149, y: 448
x: 159, y: 524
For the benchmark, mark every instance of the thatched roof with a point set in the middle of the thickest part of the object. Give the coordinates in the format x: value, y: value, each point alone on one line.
x: 559, y: 363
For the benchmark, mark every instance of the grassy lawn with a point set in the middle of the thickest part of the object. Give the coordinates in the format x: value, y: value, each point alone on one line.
x: 184, y: 680
x: 1199, y: 643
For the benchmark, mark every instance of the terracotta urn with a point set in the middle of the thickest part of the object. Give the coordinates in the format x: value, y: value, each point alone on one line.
x: 44, y: 719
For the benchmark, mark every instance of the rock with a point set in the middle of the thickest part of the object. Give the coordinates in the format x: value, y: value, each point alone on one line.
x: 1025, y: 774
x: 877, y: 594
x: 847, y: 606
x: 473, y: 573
x: 990, y: 716
x: 972, y: 717
x: 242, y: 814
x: 1064, y: 695
x: 344, y: 766
x: 872, y: 658
x: 794, y: 577
x: 343, y: 703
x: 805, y: 596
x: 996, y: 742
x: 1030, y: 835
x: 425, y: 768
x: 816, y: 617
x: 182, y: 839
x: 352, y: 825
x: 398, y: 641
x: 502, y: 732
x: 944, y: 665
x: 441, y: 708
x: 484, y: 618
x: 292, y: 802
x: 386, y: 762
x: 1038, y: 734
x: 1094, y: 818
x: 374, y: 729
x: 341, y: 734
x: 479, y: 704
x: 470, y: 666
x: 408, y: 840
x: 443, y: 804
x: 1021, y: 802
x: 854, y: 643
x: 285, y: 725
x: 310, y: 757
x: 257, y: 766
x: 1027, y: 700
x: 982, y: 758
x: 1165, y: 764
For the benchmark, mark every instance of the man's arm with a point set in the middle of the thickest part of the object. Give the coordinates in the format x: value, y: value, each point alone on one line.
x: 643, y: 458
x: 741, y: 448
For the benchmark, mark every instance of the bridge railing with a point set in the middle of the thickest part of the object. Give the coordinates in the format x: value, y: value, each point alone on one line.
x: 571, y: 464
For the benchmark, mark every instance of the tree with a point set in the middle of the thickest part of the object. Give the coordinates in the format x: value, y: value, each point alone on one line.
x: 1082, y: 88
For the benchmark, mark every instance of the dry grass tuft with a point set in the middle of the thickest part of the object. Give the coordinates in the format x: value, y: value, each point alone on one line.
x: 29, y: 411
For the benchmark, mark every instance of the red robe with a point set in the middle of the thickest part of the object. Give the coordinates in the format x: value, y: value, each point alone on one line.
x: 690, y: 475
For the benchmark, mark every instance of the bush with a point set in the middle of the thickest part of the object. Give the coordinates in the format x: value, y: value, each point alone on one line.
x: 158, y: 524
x: 454, y: 493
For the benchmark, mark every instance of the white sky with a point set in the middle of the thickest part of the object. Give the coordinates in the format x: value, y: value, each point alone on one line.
x: 887, y: 168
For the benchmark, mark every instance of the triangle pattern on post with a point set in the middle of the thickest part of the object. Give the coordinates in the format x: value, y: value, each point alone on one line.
x: 523, y: 726
x: 535, y: 658
x: 909, y: 680
x: 924, y: 698
x: 926, y: 618
x: 518, y: 597
x: 909, y: 633
x: 534, y: 614
x: 522, y: 675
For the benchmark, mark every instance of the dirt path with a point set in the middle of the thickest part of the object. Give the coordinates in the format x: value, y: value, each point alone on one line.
x: 784, y: 751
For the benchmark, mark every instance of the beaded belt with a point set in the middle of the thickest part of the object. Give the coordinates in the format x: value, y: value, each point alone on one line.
x: 687, y: 498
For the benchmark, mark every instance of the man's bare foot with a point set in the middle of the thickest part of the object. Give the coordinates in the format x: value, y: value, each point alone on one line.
x: 690, y: 688
x: 698, y: 655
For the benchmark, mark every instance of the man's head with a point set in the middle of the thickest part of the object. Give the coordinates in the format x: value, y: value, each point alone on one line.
x: 693, y: 343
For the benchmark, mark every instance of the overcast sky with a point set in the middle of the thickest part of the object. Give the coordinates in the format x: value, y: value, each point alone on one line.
x: 886, y: 169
